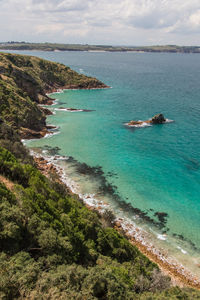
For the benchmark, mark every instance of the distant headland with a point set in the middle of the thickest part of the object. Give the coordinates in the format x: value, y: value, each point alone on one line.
x: 12, y: 45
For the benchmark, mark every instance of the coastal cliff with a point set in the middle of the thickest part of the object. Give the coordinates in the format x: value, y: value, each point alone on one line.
x: 51, y: 245
x: 25, y: 82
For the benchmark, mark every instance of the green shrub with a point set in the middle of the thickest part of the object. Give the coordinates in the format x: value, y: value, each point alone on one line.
x: 52, y: 246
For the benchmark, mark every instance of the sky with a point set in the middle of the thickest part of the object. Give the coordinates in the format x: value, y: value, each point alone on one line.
x: 110, y: 22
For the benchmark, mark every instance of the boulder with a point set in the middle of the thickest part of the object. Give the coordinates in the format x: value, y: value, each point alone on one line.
x: 158, y: 119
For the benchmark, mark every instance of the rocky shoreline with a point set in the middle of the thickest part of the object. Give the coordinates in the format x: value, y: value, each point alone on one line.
x: 29, y: 80
x: 27, y: 133
x: 179, y: 274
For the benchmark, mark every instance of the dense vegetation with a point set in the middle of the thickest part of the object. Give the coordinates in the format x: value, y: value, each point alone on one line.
x: 51, y: 245
x: 17, y: 109
x: 82, y: 47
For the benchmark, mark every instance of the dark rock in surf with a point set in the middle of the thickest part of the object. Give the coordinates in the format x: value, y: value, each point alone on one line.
x: 158, y: 119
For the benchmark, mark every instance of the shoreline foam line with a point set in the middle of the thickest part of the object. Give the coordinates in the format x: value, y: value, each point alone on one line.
x: 179, y: 274
x: 136, y: 235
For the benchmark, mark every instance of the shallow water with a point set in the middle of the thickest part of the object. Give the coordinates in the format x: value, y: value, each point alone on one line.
x: 157, y: 168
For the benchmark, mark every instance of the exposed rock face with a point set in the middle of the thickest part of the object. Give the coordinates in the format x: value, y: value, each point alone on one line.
x: 26, y: 133
x: 46, y: 111
x: 158, y: 119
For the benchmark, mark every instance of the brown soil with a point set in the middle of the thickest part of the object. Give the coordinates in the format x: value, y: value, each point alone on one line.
x: 9, y: 184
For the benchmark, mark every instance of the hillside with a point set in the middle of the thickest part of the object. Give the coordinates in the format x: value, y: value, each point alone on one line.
x: 24, y: 83
x: 51, y: 245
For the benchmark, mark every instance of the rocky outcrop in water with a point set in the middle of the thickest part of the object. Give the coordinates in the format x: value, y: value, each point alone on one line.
x: 157, y: 119
x: 70, y: 109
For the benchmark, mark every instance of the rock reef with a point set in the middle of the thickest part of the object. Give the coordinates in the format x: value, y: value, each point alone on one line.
x: 70, y: 109
x: 157, y: 119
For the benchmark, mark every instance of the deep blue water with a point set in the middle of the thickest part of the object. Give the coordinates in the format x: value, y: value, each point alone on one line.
x: 157, y: 168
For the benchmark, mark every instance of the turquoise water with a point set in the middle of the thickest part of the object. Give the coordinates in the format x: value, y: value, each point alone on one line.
x: 156, y: 169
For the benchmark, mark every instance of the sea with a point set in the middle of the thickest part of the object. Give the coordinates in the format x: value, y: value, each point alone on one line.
x: 149, y: 174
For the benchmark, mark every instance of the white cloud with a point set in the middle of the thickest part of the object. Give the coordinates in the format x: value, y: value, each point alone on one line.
x: 94, y: 21
x: 58, y: 6
x: 54, y: 28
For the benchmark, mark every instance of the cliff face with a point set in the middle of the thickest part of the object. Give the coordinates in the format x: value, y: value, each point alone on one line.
x: 24, y: 82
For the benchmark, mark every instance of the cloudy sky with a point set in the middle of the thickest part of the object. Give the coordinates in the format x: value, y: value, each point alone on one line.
x: 116, y: 22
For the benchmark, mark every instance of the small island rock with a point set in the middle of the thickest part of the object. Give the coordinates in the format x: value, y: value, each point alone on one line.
x: 158, y: 119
